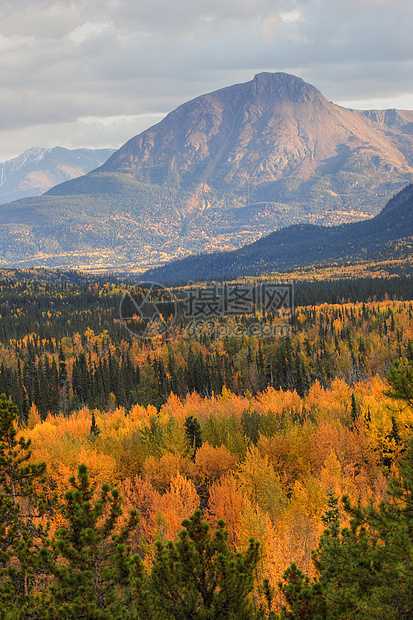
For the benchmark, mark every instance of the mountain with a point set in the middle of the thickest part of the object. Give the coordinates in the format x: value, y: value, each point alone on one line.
x: 268, y: 140
x: 218, y: 172
x: 383, y: 237
x: 36, y: 170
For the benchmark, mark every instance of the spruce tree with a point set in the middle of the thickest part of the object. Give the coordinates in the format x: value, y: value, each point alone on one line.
x: 94, y: 429
x: 354, y: 410
x: 305, y: 600
x: 400, y: 379
x: 194, y: 433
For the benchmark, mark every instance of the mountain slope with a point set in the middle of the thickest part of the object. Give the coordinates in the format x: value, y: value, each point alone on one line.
x: 302, y: 245
x: 36, y: 170
x: 216, y: 173
x: 268, y: 139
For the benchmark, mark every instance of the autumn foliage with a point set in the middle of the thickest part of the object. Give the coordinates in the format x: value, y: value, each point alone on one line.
x: 255, y: 432
x: 274, y: 489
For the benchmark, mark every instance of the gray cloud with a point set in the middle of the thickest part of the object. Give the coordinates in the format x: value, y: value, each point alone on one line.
x: 124, y: 59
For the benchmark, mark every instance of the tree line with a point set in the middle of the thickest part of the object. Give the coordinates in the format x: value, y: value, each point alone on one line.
x: 101, y: 369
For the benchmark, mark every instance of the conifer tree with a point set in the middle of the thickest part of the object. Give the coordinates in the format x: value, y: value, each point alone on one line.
x: 19, y: 535
x: 304, y: 599
x: 91, y: 565
x: 94, y: 429
x: 354, y: 410
x: 194, y: 433
x: 400, y: 379
x: 198, y: 577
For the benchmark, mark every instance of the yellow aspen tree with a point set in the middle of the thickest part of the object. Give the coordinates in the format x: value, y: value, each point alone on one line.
x: 261, y: 483
x: 33, y: 417
x: 226, y: 502
x: 179, y: 502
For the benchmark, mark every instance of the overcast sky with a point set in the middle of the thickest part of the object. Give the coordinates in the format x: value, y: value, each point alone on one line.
x: 94, y: 73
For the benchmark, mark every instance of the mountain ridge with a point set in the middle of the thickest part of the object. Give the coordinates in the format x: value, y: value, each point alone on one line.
x: 285, y: 248
x: 38, y: 169
x: 218, y: 172
x: 273, y: 112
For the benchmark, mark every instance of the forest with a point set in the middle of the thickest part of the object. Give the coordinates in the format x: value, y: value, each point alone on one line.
x: 181, y: 477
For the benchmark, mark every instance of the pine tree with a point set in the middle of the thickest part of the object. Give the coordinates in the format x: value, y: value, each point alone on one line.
x: 194, y: 433
x: 250, y: 424
x: 63, y: 379
x: 94, y: 429
x: 91, y: 565
x: 198, y: 577
x: 400, y: 379
x: 305, y: 600
x: 19, y: 535
x: 354, y: 410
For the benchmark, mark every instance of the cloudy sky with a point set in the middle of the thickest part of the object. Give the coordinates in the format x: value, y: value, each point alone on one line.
x: 97, y: 72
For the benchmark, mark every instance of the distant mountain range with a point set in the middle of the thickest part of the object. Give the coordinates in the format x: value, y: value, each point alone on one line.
x: 216, y: 173
x: 36, y: 170
x: 388, y: 235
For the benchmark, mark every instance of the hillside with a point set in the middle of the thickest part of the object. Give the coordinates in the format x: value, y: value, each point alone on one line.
x: 216, y: 173
x: 387, y: 235
x: 36, y: 170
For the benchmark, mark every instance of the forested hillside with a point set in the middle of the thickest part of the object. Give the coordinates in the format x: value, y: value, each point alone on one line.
x: 386, y: 237
x: 63, y: 344
x: 264, y: 433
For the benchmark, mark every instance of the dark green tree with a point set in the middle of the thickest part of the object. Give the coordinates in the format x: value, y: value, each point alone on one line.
x: 198, y: 577
x: 193, y: 432
x: 94, y: 429
x: 304, y: 600
x: 90, y: 564
x: 250, y: 424
x: 19, y: 535
x: 400, y: 379
x: 354, y: 410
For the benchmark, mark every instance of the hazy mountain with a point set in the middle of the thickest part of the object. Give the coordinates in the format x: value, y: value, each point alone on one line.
x: 265, y: 139
x: 386, y: 236
x: 216, y: 173
x: 36, y: 170
x: 274, y: 139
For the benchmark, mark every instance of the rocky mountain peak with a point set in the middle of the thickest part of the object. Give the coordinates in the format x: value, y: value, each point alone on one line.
x: 38, y: 169
x: 283, y: 86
